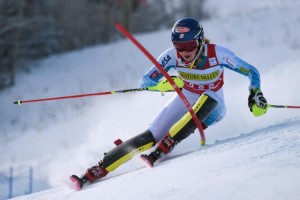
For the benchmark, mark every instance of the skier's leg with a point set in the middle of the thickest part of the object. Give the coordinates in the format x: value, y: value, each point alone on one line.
x: 128, y: 150
x: 170, y: 114
x: 184, y: 127
x: 158, y: 127
x: 119, y: 155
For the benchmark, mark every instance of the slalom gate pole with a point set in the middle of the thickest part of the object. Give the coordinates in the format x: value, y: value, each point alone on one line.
x: 282, y: 106
x: 19, y: 102
x: 120, y: 28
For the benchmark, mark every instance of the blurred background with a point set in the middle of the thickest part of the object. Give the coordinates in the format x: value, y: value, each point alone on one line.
x: 33, y: 29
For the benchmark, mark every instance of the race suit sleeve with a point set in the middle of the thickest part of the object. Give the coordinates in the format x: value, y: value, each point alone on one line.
x: 167, y: 60
x: 229, y: 60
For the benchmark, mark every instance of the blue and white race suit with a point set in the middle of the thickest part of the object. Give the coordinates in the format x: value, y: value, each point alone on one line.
x: 205, y: 76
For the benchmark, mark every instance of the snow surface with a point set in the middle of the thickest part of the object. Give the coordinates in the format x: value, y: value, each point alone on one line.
x: 259, y: 165
x: 246, y: 157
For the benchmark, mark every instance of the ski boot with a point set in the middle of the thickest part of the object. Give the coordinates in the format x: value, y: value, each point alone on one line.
x: 164, y: 147
x: 91, y: 175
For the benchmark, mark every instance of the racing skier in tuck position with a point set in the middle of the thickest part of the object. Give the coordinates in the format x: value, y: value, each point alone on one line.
x: 200, y: 65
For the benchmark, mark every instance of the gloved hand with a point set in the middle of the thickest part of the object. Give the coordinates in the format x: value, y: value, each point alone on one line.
x: 165, y: 86
x: 257, y: 103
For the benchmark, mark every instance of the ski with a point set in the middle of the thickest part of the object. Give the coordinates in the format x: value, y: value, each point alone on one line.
x: 147, y: 160
x: 78, y: 182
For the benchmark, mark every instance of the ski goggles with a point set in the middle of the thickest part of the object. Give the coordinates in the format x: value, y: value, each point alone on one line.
x: 186, y: 46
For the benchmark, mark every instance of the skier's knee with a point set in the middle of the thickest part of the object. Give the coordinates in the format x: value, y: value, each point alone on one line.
x: 186, y: 125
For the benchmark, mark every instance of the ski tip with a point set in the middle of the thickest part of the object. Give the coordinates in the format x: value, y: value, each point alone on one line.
x: 145, y: 158
x: 76, y: 182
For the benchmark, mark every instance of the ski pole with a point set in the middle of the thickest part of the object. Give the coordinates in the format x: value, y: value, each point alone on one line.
x: 162, y: 86
x: 19, y: 102
x: 282, y: 106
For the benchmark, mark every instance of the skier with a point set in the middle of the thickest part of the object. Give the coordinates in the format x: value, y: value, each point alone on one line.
x: 200, y: 65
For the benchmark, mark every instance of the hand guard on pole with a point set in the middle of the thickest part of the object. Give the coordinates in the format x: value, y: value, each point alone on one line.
x: 165, y: 86
x: 257, y: 103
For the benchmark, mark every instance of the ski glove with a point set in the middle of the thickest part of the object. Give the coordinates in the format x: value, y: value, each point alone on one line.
x: 257, y: 103
x: 165, y: 86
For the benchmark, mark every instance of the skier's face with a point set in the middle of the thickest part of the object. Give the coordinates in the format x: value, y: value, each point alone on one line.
x: 187, y: 50
x: 188, y: 56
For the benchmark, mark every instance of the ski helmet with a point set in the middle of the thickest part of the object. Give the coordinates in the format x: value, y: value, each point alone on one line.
x: 187, y: 29
x: 187, y: 35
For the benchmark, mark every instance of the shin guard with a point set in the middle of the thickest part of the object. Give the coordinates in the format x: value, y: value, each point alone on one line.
x: 127, y: 150
x: 185, y: 126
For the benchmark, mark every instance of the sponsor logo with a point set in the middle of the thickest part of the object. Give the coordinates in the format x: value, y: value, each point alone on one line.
x: 233, y: 64
x: 182, y: 29
x: 212, y: 61
x: 229, y: 61
x: 200, y: 77
x: 165, y: 61
x: 154, y: 74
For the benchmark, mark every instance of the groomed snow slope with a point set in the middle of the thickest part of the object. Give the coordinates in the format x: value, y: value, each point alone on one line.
x: 64, y: 137
x: 263, y: 164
